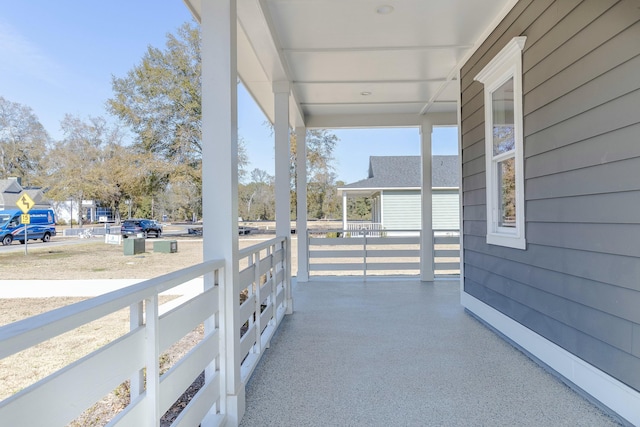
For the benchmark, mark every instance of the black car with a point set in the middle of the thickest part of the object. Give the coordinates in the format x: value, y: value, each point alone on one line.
x: 144, y: 227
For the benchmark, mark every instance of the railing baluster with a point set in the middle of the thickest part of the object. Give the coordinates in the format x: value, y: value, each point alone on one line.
x: 136, y: 320
x: 211, y: 280
x: 364, y: 235
x: 258, y: 303
x: 152, y: 347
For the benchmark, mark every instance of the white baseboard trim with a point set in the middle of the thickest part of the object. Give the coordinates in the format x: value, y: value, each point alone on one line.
x: 620, y: 398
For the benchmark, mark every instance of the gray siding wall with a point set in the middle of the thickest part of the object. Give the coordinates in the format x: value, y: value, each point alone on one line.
x: 401, y: 210
x: 578, y: 281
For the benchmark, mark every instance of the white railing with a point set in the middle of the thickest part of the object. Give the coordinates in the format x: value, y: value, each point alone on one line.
x: 63, y: 396
x: 355, y: 228
x: 94, y: 231
x: 379, y: 252
x: 446, y: 252
x: 265, y: 298
x: 369, y: 252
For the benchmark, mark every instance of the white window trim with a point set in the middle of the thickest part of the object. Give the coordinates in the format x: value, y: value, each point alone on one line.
x: 505, y: 65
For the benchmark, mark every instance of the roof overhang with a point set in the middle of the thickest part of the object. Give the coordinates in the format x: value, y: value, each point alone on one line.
x: 360, y: 64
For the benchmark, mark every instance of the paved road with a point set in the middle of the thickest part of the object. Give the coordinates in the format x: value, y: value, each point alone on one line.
x: 39, y: 244
x: 66, y: 241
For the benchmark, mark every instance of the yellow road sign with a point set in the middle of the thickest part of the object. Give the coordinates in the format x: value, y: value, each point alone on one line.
x: 25, y: 219
x: 24, y: 203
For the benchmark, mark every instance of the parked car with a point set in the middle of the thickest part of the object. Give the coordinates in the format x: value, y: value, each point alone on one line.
x: 157, y: 224
x: 144, y: 227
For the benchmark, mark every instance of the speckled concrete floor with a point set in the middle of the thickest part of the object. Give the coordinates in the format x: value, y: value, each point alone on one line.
x: 401, y: 353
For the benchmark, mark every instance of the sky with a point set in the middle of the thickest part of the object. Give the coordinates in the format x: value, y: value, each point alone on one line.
x: 58, y: 57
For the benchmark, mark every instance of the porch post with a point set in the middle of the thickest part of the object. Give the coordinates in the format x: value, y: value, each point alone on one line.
x: 426, y: 237
x: 220, y: 192
x: 283, y: 180
x: 301, y: 204
x: 344, y: 210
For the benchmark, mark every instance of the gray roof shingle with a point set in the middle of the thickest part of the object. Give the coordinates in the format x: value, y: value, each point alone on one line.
x: 404, y: 172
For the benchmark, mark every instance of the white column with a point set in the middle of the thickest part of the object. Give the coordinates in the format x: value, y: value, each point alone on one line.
x: 344, y: 210
x: 283, y: 180
x: 426, y: 243
x: 220, y: 188
x: 301, y: 204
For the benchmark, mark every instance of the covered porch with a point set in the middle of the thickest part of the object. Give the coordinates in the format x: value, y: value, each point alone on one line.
x: 400, y: 352
x: 385, y: 352
x: 423, y: 64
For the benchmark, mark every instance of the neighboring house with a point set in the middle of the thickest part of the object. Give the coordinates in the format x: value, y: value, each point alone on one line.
x: 394, y: 184
x: 10, y: 190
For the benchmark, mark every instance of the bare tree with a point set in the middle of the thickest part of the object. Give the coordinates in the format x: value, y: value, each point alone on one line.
x: 23, y: 142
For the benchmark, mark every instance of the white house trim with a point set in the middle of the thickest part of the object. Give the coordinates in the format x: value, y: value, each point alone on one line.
x: 505, y: 66
x: 612, y: 393
x: 426, y: 237
x: 301, y: 205
x: 220, y: 186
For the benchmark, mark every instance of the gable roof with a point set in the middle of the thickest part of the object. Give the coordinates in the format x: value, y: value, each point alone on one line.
x: 10, y: 191
x: 404, y: 172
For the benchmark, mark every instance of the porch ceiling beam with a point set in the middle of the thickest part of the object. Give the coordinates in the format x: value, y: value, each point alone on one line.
x: 363, y: 103
x: 261, y: 29
x: 375, y: 49
x: 303, y: 82
x: 333, y: 121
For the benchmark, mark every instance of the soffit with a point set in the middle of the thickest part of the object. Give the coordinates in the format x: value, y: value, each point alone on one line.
x: 343, y: 58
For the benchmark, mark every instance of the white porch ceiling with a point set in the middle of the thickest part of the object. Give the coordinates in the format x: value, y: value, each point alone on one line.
x: 350, y: 65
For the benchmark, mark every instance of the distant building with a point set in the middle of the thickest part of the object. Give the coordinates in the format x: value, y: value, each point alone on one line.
x: 10, y: 190
x: 394, y: 184
x: 90, y: 210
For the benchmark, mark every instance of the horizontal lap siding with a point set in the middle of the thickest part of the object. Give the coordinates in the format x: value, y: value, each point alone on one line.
x: 446, y: 210
x: 402, y: 210
x: 578, y: 282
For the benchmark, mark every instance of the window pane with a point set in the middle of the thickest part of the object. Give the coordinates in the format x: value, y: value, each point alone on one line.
x: 503, y: 122
x: 507, y: 193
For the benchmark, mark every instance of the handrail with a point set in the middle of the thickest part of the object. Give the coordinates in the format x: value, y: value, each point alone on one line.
x: 396, y: 258
x: 151, y: 331
x: 401, y: 252
x: 259, y: 246
x: 26, y: 333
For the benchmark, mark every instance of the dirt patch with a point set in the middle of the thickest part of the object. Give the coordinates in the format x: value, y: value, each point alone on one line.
x: 97, y: 260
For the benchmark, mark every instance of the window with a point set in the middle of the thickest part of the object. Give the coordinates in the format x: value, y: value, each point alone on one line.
x: 502, y: 79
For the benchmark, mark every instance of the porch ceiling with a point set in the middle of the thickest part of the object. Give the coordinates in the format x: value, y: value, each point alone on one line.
x: 359, y: 62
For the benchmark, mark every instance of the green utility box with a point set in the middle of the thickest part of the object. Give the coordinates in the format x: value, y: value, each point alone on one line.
x: 133, y: 245
x: 165, y: 246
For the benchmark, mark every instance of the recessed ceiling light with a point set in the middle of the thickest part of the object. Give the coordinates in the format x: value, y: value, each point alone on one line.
x: 365, y: 93
x: 384, y: 9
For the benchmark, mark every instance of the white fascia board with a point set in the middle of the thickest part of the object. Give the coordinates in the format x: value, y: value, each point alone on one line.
x: 335, y: 121
x: 194, y: 7
x: 378, y: 188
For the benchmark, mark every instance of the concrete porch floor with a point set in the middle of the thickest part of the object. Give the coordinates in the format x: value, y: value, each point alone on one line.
x: 400, y: 353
